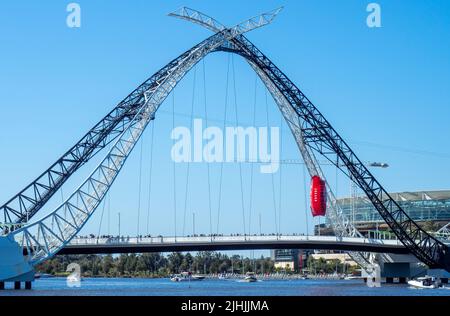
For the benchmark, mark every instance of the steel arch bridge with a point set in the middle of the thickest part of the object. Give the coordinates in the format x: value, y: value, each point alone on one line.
x: 123, y: 126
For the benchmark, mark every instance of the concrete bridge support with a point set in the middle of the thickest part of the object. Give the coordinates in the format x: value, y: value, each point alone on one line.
x: 400, y: 267
x: 14, y: 266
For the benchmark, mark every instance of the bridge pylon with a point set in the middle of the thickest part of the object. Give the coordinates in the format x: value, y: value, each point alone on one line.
x: 14, y: 266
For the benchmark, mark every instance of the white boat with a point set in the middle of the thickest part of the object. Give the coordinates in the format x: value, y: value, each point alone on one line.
x: 186, y: 276
x: 426, y: 282
x: 197, y: 277
x: 352, y: 277
x: 250, y: 277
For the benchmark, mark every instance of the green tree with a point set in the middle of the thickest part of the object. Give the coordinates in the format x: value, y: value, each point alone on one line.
x: 107, y: 264
x: 175, y: 260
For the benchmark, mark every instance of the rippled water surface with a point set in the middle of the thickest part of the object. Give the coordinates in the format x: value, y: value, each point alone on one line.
x: 154, y: 287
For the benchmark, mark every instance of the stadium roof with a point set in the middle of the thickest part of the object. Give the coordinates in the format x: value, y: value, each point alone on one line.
x: 412, y: 196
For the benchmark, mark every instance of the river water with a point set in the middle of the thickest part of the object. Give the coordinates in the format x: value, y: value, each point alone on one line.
x: 155, y: 287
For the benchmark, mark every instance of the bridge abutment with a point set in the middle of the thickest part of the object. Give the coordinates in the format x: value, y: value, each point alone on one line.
x: 400, y: 267
x: 14, y: 266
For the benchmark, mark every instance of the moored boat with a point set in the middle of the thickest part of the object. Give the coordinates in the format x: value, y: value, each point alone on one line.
x: 250, y: 277
x: 426, y: 282
x: 186, y: 276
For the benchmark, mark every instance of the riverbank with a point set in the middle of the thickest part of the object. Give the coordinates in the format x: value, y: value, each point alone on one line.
x: 271, y: 276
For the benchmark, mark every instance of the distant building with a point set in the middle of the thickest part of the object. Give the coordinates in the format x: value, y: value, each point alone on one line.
x: 343, y: 258
x: 289, y: 260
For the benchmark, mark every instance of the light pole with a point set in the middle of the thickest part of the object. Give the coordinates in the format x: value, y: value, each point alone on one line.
x: 260, y: 231
x: 354, y: 188
x: 193, y: 223
x: 119, y: 224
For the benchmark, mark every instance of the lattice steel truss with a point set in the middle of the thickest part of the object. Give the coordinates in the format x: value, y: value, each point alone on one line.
x: 24, y: 205
x: 41, y: 239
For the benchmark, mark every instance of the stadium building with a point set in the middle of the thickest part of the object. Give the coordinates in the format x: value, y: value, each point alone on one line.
x: 430, y: 209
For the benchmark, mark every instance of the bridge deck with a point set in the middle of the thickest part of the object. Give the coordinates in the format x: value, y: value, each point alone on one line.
x: 169, y: 244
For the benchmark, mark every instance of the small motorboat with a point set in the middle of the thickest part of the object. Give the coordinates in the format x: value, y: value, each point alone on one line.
x: 176, y: 278
x: 43, y: 276
x: 186, y: 276
x: 426, y: 282
x: 250, y: 277
x: 197, y: 277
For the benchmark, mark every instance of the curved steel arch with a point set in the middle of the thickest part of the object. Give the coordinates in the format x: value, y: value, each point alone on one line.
x: 25, y: 204
x: 43, y: 242
x: 42, y: 239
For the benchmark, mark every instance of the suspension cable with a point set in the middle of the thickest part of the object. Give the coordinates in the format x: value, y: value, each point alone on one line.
x: 174, y: 173
x: 281, y: 173
x: 150, y: 176
x: 109, y: 213
x: 140, y: 185
x: 207, y: 164
x: 101, y: 218
x: 238, y: 149
x: 224, y: 125
x: 272, y: 176
x: 306, y: 199
x: 251, y: 167
x: 186, y: 189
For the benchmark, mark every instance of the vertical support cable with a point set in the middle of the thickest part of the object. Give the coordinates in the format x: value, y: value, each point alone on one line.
x: 207, y: 163
x: 150, y: 177
x: 140, y: 187
x: 109, y: 213
x: 101, y: 219
x: 272, y: 176
x: 252, y: 162
x: 224, y: 125
x: 281, y: 173
x: 186, y: 189
x: 174, y: 173
x: 306, y: 200
x: 240, y: 164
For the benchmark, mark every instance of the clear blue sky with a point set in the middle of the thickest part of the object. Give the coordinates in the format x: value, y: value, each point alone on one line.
x: 385, y: 90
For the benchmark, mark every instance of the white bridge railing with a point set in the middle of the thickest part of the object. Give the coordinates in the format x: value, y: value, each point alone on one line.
x: 80, y: 241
